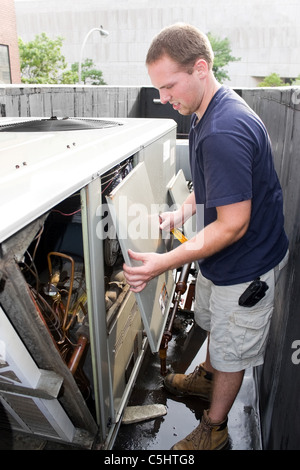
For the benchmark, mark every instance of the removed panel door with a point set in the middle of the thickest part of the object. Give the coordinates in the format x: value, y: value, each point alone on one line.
x: 135, y: 214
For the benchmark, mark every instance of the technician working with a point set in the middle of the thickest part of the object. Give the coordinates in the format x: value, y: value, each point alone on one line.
x: 242, y: 237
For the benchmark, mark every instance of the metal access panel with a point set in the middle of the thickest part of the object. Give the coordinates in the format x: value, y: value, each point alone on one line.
x: 135, y: 213
x: 179, y: 191
x: 125, y: 347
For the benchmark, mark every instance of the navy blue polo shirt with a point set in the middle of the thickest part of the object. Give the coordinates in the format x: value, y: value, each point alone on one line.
x: 231, y: 161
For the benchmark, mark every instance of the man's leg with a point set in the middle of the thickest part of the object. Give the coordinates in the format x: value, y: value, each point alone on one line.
x: 234, y: 346
x: 226, y: 386
x: 212, y: 433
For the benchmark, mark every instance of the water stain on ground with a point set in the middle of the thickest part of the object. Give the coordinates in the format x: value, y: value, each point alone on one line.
x: 185, y: 351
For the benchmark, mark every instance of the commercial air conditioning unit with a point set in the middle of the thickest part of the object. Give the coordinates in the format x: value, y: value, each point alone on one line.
x: 72, y: 334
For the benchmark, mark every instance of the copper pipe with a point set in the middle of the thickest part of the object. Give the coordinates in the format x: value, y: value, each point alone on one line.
x: 77, y: 354
x: 167, y: 336
x: 190, y: 296
x: 65, y: 327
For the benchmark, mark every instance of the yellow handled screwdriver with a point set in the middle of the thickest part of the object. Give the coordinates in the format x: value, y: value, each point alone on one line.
x: 179, y: 235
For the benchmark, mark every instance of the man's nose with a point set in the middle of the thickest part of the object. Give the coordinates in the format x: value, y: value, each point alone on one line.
x: 164, y: 96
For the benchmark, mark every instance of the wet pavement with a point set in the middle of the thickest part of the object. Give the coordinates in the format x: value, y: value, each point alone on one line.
x: 185, y: 351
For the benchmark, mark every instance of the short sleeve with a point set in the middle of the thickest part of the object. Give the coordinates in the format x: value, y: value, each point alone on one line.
x: 227, y: 166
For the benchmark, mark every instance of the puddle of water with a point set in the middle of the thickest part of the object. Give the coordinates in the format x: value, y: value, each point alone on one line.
x: 183, y: 414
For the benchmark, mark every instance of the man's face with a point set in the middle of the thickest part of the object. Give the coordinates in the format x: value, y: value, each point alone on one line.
x: 182, y: 90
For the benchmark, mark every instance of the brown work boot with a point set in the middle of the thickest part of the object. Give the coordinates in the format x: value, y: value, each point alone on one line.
x: 206, y: 436
x: 198, y: 383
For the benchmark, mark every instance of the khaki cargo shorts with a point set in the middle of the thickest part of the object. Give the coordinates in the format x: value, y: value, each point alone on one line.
x: 238, y: 335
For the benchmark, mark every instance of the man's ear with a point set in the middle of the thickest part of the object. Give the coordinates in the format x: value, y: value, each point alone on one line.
x: 201, y: 67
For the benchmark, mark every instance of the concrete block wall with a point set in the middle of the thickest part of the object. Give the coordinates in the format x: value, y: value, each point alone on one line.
x: 264, y: 34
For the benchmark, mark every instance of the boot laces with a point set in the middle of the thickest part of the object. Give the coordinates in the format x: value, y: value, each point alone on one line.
x: 201, y: 432
x: 190, y: 378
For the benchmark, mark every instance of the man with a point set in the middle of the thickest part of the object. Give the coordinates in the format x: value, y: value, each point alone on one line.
x: 242, y: 239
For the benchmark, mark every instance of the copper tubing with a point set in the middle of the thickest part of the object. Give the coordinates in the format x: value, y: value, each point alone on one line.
x: 77, y: 354
x: 167, y: 336
x: 65, y: 327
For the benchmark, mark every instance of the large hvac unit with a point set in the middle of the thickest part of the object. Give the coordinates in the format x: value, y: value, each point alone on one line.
x: 75, y: 195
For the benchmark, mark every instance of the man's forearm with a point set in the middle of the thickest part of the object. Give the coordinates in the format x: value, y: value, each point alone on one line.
x: 188, y: 208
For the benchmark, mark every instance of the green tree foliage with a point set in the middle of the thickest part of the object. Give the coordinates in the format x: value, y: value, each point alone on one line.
x: 41, y: 60
x: 43, y: 63
x: 272, y: 80
x: 296, y: 82
x: 89, y: 74
x: 222, y: 52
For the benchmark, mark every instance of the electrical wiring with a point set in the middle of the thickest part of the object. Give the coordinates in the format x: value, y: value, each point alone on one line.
x: 64, y: 214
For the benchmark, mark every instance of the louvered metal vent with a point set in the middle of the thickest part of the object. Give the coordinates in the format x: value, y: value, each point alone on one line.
x: 23, y: 388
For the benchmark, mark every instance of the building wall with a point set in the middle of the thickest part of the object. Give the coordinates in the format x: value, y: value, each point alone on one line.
x: 9, y: 37
x: 264, y: 33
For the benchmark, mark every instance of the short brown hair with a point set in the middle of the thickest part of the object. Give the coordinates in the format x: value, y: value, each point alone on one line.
x: 183, y: 43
